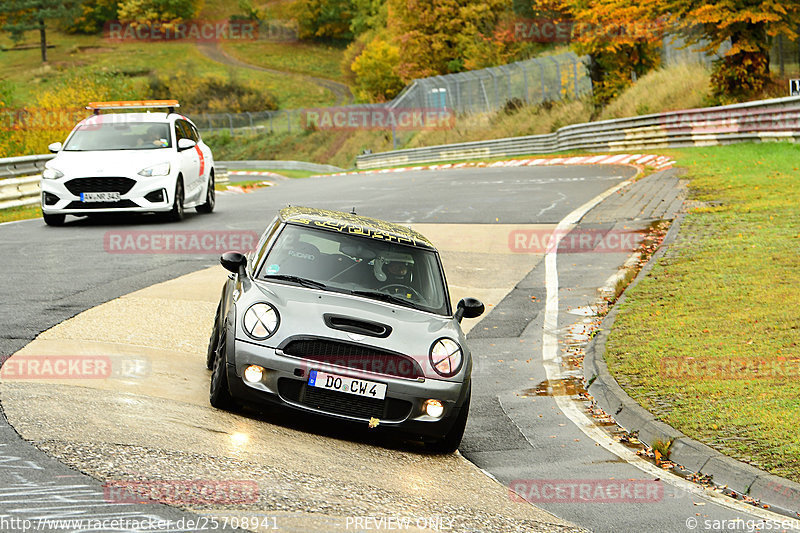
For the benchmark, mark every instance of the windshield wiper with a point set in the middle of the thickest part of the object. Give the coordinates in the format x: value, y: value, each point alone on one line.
x: 296, y: 279
x: 386, y: 298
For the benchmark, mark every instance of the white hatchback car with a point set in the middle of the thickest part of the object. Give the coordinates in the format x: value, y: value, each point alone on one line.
x: 144, y: 162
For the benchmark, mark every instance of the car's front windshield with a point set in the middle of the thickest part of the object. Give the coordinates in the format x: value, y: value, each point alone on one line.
x: 98, y: 135
x: 371, y: 268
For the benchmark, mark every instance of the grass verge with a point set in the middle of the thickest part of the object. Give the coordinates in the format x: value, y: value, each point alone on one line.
x: 709, y: 340
x: 20, y: 213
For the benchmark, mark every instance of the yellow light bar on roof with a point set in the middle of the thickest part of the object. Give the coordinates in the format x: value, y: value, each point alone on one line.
x: 133, y: 104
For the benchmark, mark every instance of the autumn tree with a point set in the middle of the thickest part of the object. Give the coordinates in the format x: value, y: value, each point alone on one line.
x: 434, y: 35
x: 20, y: 16
x: 622, y: 39
x: 149, y: 12
x: 376, y: 79
x: 325, y: 19
x: 93, y: 16
x: 748, y: 25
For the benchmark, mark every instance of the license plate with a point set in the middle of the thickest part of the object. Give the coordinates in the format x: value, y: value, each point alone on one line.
x: 357, y: 387
x: 99, y: 197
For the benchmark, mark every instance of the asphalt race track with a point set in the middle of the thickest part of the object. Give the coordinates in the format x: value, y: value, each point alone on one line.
x: 517, y: 429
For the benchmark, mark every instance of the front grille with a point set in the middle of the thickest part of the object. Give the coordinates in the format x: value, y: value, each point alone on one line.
x: 340, y: 403
x: 78, y: 185
x: 355, y: 356
x: 100, y: 205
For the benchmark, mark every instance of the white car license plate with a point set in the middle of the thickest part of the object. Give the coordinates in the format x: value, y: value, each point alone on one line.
x: 99, y: 197
x: 358, y: 387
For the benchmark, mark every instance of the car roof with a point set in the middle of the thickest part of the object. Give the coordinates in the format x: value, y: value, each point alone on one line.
x: 353, y: 224
x: 135, y: 117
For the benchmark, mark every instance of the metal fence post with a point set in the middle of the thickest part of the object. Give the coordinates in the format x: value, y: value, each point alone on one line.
x: 494, y: 84
x: 288, y: 121
x: 230, y: 122
x: 558, y: 77
x: 575, y: 71
x: 541, y: 73
x: 525, y: 81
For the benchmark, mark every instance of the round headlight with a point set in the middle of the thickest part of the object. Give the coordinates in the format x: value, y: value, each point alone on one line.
x: 261, y: 321
x: 446, y: 357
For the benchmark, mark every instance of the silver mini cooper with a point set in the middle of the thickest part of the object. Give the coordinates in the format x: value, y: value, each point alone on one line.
x: 347, y: 317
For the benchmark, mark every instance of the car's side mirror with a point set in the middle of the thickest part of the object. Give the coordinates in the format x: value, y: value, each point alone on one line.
x: 469, y: 308
x: 185, y: 144
x: 54, y: 147
x: 233, y: 261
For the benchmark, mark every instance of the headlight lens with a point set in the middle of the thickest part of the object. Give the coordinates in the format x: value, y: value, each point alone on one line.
x: 52, y: 174
x: 446, y: 357
x: 161, y: 169
x: 261, y: 321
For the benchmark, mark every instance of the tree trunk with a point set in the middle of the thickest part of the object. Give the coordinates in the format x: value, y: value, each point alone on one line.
x: 43, y: 40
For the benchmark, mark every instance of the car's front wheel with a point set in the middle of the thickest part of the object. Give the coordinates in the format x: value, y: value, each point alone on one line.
x: 54, y: 220
x: 213, y: 342
x: 219, y: 394
x: 449, y: 443
x: 211, y: 197
x: 176, y: 215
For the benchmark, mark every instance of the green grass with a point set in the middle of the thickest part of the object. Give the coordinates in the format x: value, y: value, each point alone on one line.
x: 727, y: 290
x: 81, y: 54
x: 20, y: 213
x: 300, y: 57
x: 291, y: 173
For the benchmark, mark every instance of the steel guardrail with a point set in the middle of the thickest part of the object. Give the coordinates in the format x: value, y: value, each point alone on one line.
x: 20, y: 179
x: 762, y: 120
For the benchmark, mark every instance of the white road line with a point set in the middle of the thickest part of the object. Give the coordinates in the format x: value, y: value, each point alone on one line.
x: 552, y: 366
x: 19, y: 221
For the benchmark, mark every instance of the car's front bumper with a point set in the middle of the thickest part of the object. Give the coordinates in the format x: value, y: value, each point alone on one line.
x: 137, y: 194
x: 285, y: 383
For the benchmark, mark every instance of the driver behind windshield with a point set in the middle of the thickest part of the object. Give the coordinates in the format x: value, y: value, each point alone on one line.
x: 394, y: 269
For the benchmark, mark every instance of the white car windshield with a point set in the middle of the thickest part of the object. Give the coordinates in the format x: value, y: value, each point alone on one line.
x: 119, y: 136
x: 404, y: 275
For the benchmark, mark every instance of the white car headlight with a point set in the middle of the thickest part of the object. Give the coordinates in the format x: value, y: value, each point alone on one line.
x: 52, y: 174
x: 446, y: 357
x: 161, y: 169
x: 261, y: 321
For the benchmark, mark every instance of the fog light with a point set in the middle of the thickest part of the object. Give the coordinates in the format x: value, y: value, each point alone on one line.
x: 253, y: 374
x: 434, y: 408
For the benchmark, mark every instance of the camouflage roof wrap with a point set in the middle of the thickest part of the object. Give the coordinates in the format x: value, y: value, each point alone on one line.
x: 352, y: 224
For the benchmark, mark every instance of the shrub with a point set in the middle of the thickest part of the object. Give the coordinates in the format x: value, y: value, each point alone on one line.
x: 211, y: 94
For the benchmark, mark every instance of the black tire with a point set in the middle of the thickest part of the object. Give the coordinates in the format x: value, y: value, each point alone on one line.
x: 176, y: 215
x: 212, y: 342
x: 54, y: 220
x: 449, y: 443
x: 219, y: 394
x: 211, y: 197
